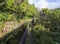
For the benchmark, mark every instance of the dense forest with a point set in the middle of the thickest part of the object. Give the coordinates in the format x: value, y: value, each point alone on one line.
x: 43, y: 25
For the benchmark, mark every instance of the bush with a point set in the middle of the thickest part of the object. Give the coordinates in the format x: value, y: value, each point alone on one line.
x: 46, y: 40
x: 41, y: 35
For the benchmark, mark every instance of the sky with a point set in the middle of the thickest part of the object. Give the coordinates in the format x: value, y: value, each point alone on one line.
x: 50, y: 4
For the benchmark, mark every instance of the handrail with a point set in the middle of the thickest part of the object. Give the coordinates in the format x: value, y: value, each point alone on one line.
x: 24, y: 37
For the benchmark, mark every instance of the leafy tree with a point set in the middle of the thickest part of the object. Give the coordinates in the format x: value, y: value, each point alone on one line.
x: 46, y: 11
x: 31, y: 11
x: 50, y: 19
x: 27, y: 9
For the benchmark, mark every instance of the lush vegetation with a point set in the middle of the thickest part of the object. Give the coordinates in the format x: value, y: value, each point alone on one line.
x: 46, y: 25
x: 14, y: 10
